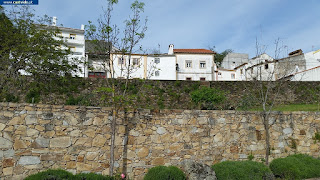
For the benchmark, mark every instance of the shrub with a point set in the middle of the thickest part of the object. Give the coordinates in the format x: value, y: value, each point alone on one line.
x: 92, y: 176
x: 11, y: 98
x: 82, y: 100
x: 242, y: 170
x: 165, y: 173
x: 33, y: 95
x: 298, y: 166
x: 208, y: 98
x: 51, y: 174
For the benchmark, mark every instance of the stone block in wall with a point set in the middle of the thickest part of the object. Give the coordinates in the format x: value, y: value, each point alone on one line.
x: 51, y: 157
x: 29, y: 160
x: 161, y: 130
x: 99, y: 141
x: 8, y: 153
x: 2, y: 126
x: 60, y: 142
x: 16, y: 120
x: 158, y: 161
x: 7, y: 171
x: 5, y: 143
x: 8, y: 163
x: 19, y: 144
x: 31, y: 119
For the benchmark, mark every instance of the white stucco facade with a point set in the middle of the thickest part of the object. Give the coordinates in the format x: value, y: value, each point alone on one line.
x: 161, y: 67
x: 136, y: 69
x: 195, y: 67
x: 226, y: 75
x: 312, y: 59
x: 312, y: 74
x: 74, y: 39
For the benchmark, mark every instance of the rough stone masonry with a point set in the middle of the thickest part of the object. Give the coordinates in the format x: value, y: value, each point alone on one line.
x: 34, y: 138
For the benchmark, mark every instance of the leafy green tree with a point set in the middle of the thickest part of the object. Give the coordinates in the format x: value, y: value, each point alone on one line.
x: 29, y: 46
x: 219, y: 56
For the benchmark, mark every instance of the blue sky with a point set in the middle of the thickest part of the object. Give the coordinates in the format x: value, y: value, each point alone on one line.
x: 225, y: 24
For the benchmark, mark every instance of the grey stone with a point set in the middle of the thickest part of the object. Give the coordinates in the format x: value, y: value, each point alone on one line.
x: 8, y: 153
x: 222, y: 120
x: 161, y: 130
x: 65, y: 123
x: 42, y: 142
x: 48, y: 127
x: 194, y: 130
x: 23, y: 112
x: 29, y: 160
x: 287, y: 131
x: 47, y: 116
x: 243, y: 156
x: 212, y: 121
x: 244, y: 119
x: 31, y: 119
x: 196, y: 171
x: 1, y: 155
x: 281, y: 145
x: 5, y: 143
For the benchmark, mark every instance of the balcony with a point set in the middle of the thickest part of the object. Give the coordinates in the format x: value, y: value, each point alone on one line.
x: 73, y: 41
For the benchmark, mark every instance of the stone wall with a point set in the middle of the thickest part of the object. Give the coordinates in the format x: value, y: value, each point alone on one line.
x: 37, y: 137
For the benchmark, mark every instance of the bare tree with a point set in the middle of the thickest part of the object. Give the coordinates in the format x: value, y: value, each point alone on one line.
x: 109, y: 48
x: 268, y: 77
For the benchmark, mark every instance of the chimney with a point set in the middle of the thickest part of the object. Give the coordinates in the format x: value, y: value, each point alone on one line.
x: 54, y: 21
x: 82, y: 27
x: 170, y: 52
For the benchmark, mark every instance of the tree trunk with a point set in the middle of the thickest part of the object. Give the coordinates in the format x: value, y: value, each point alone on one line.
x: 113, y: 132
x: 266, y: 127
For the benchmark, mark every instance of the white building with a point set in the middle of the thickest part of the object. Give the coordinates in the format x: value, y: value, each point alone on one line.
x: 136, y: 69
x: 226, y: 75
x: 162, y: 67
x: 178, y: 64
x: 74, y: 39
x: 261, y: 68
x: 312, y: 74
x: 193, y: 64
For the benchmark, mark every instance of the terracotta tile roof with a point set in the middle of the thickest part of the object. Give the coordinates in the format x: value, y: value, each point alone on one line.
x: 193, y: 51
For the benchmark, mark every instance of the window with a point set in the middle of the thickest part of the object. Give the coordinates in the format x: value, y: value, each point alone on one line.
x: 202, y: 79
x: 202, y: 64
x: 72, y: 36
x: 121, y: 61
x: 157, y: 73
x: 219, y: 73
x: 233, y: 76
x: 188, y: 64
x: 241, y: 71
x: 157, y: 60
x: 188, y: 79
x: 266, y: 66
x: 135, y: 61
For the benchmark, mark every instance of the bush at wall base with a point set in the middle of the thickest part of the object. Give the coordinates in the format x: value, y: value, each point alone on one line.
x: 252, y: 170
x: 60, y: 174
x: 165, y: 173
x: 298, y: 166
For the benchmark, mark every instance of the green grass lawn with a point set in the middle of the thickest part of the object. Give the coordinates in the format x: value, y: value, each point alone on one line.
x: 292, y: 107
